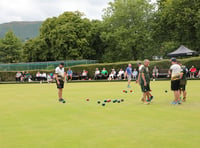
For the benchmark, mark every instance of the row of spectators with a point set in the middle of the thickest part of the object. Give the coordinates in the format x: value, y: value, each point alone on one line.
x: 103, y: 74
x: 23, y: 76
x: 70, y: 75
x: 113, y: 75
x: 44, y: 77
x: 26, y: 76
x: 190, y: 73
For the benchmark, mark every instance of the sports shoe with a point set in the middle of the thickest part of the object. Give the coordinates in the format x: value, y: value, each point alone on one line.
x: 179, y: 101
x: 174, y: 102
x: 129, y: 86
x: 184, y: 99
x: 62, y: 100
x: 151, y: 98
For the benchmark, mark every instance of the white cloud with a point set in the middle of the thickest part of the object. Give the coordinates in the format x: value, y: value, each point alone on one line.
x: 34, y: 10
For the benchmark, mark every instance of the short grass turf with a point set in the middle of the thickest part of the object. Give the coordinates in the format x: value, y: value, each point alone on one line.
x: 31, y: 116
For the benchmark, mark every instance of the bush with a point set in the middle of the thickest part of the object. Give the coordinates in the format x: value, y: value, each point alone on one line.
x: 163, y: 64
x: 10, y: 76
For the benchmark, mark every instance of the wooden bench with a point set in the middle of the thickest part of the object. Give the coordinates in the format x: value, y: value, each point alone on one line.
x: 75, y: 76
x: 163, y: 73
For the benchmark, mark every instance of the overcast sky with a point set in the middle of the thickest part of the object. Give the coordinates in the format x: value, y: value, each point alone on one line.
x: 37, y: 10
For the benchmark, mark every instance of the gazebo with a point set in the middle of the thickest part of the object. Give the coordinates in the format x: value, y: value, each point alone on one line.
x: 182, y: 51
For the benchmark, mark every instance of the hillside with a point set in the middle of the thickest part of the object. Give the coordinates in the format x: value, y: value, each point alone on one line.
x: 23, y: 30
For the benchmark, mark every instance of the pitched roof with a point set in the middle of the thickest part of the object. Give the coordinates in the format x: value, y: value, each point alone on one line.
x: 182, y: 51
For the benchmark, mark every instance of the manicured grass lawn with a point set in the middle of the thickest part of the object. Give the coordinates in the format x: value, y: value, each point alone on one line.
x: 32, y: 117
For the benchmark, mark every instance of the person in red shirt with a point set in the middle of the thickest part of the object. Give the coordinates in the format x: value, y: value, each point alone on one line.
x: 192, y: 71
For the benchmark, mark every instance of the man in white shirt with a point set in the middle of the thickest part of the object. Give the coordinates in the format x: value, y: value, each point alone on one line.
x: 18, y: 76
x: 112, y: 75
x: 175, y: 71
x: 120, y: 74
x: 97, y: 73
x: 59, y: 77
x: 44, y: 76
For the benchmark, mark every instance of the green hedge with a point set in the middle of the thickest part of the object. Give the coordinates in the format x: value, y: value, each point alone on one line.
x: 10, y: 76
x: 163, y: 64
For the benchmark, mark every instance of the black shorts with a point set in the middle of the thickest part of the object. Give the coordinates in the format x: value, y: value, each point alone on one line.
x: 61, y: 85
x: 175, y: 85
x: 182, y: 84
x: 145, y: 88
x: 182, y: 87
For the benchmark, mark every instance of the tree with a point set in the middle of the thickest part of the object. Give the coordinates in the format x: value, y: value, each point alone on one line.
x: 95, y: 41
x: 177, y: 22
x: 35, y: 50
x: 10, y: 48
x: 67, y: 36
x: 127, y: 35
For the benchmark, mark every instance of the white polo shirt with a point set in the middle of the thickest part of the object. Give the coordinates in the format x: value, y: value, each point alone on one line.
x: 60, y: 72
x: 176, y: 71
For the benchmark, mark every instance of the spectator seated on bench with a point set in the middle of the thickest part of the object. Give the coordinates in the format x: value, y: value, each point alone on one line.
x: 97, y: 74
x: 192, y: 71
x: 44, y: 76
x: 38, y: 76
x: 120, y: 74
x: 112, y: 75
x: 22, y: 76
x: 27, y: 77
x: 52, y: 75
x: 104, y: 73
x: 69, y: 74
x: 84, y: 76
x: 49, y: 78
x: 18, y: 76
x: 155, y: 73
x: 135, y: 74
